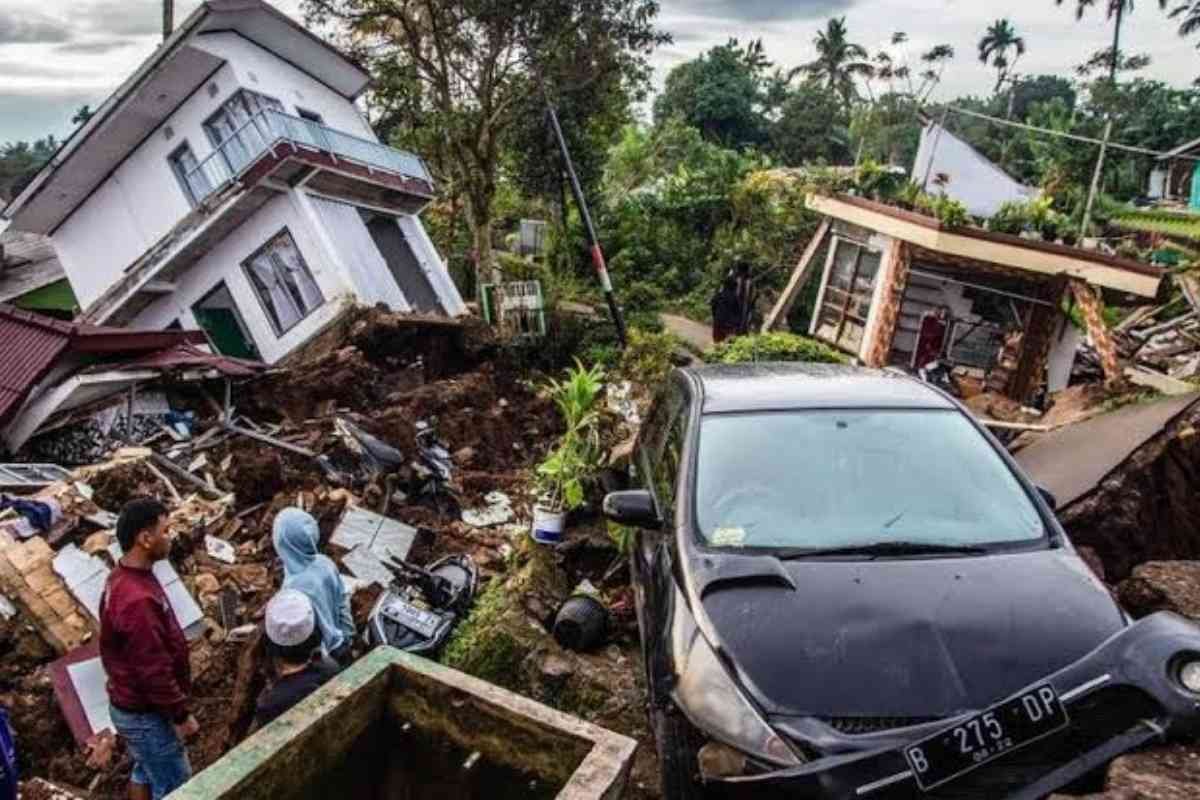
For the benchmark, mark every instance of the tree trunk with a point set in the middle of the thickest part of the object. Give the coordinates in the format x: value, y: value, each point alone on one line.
x: 486, y: 270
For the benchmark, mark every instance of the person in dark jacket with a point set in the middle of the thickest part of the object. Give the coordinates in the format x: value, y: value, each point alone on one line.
x: 726, y: 311
x: 294, y: 644
x: 145, y: 657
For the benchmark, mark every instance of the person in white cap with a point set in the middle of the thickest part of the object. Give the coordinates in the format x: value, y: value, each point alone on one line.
x: 294, y: 642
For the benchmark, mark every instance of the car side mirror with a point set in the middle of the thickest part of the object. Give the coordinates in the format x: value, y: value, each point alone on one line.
x: 632, y: 508
x: 1049, y: 497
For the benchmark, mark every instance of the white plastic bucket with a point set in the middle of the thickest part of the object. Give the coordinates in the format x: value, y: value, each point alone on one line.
x: 547, y: 527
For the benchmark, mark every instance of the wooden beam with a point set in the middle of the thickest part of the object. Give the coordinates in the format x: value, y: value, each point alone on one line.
x: 799, y: 277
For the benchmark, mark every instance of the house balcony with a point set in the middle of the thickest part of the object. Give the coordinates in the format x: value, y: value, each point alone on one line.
x: 267, y: 155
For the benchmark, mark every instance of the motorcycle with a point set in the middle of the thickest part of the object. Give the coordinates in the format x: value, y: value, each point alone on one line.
x: 420, y: 608
x: 937, y: 373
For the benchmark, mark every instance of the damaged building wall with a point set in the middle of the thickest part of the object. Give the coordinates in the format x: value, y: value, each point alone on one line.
x: 224, y: 263
x: 259, y: 70
x: 140, y: 202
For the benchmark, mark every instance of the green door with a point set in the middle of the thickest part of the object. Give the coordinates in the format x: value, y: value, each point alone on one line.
x: 1195, y: 201
x: 217, y: 314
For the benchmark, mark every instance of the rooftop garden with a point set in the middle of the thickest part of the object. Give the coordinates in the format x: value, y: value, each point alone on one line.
x: 1051, y: 217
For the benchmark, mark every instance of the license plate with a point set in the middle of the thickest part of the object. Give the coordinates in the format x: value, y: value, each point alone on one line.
x: 418, y: 619
x: 990, y: 734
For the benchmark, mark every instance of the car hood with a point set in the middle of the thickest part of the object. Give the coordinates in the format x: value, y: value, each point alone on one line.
x: 906, y: 638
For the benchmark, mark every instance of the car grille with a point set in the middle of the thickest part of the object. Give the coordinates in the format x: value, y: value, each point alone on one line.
x: 856, y: 726
x: 1094, y: 720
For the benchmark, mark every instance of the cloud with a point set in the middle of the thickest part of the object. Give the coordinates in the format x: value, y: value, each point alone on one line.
x: 129, y: 17
x: 23, y: 26
x: 736, y: 11
x: 96, y: 47
x: 35, y: 69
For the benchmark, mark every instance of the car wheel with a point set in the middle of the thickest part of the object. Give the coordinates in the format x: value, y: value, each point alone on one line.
x: 673, y: 740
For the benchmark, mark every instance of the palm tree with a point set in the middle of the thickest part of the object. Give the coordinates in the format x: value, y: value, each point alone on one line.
x: 1000, y: 39
x: 1116, y: 11
x: 839, y: 61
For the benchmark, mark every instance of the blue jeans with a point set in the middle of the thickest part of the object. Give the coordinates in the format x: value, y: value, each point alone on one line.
x: 159, y: 759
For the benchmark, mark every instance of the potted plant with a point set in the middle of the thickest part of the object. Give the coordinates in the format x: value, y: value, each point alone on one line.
x: 561, y: 479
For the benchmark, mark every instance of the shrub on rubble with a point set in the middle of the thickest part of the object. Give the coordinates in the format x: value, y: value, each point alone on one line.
x: 773, y: 347
x: 648, y: 356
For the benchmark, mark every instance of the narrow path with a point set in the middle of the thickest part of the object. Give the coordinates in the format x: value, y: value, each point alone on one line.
x: 696, y: 334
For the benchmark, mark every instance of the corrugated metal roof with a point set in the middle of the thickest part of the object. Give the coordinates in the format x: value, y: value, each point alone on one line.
x: 188, y: 355
x: 30, y: 344
x: 27, y: 350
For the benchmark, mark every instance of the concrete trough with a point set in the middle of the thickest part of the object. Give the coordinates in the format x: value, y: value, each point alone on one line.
x: 395, y: 725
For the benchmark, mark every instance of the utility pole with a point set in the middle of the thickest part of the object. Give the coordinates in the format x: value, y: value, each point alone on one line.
x: 1108, y: 126
x: 597, y: 253
x: 168, y: 18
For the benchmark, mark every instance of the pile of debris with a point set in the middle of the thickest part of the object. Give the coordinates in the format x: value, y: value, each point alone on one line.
x: 1160, y: 344
x: 407, y: 428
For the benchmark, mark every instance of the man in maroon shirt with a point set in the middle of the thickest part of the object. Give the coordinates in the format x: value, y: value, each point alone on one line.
x: 145, y: 656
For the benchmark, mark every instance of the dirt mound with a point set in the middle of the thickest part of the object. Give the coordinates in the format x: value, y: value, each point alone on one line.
x: 1162, y: 586
x: 1147, y: 509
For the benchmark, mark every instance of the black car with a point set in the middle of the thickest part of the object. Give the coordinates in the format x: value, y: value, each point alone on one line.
x: 847, y: 589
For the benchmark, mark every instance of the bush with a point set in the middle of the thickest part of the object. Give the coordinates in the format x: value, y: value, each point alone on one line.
x: 648, y: 357
x: 773, y: 347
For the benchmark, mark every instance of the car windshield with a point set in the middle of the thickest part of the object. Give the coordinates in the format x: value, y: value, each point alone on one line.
x: 851, y: 478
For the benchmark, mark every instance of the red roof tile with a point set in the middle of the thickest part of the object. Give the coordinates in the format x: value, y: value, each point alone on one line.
x: 31, y: 344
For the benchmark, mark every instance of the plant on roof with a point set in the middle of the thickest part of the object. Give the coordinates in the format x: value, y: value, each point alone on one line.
x: 1010, y: 218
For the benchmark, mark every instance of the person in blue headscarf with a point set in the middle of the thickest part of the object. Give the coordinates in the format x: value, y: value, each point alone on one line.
x: 295, y: 537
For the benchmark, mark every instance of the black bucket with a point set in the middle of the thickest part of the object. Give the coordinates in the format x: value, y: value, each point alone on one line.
x: 581, y: 624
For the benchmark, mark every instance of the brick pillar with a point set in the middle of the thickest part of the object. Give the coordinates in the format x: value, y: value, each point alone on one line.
x: 1036, y: 343
x: 1093, y: 317
x: 895, y: 272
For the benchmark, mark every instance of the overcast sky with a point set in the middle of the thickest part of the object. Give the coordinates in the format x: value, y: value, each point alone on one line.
x: 56, y: 55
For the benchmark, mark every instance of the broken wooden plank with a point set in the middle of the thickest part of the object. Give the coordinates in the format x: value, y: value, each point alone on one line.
x: 185, y: 476
x: 1136, y: 317
x: 1013, y: 426
x: 1162, y: 327
x: 271, y: 440
x: 174, y: 492
x: 799, y: 277
x: 1158, y: 382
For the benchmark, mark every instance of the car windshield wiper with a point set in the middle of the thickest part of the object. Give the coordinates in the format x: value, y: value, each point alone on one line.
x: 889, y: 548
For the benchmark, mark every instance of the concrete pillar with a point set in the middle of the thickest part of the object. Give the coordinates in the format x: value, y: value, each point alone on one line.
x: 1093, y: 317
x: 895, y: 274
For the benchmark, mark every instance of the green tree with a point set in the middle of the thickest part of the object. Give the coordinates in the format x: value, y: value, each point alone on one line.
x: 812, y: 127
x: 1003, y: 48
x: 82, y: 115
x: 1116, y: 11
x: 840, y: 62
x: 20, y: 162
x: 1101, y: 63
x: 723, y: 94
x: 1039, y: 89
x: 465, y: 70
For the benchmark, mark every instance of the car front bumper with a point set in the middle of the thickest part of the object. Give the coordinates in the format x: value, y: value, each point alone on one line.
x: 1121, y: 695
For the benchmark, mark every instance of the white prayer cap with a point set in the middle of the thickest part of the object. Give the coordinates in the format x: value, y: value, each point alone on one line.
x: 290, y: 619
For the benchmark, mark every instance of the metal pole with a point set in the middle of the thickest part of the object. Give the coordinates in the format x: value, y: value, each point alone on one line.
x: 129, y: 413
x: 597, y: 253
x: 1112, y: 82
x: 168, y: 18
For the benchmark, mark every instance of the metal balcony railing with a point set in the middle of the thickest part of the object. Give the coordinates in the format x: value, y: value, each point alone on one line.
x: 269, y: 128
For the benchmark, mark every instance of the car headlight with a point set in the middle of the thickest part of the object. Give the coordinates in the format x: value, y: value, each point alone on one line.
x: 1189, y: 675
x: 712, y: 702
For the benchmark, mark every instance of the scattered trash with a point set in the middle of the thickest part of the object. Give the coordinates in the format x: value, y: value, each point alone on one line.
x: 619, y: 397
x: 498, y: 511
x: 220, y: 549
x: 242, y: 633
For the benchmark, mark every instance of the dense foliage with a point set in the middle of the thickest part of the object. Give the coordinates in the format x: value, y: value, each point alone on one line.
x: 773, y: 347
